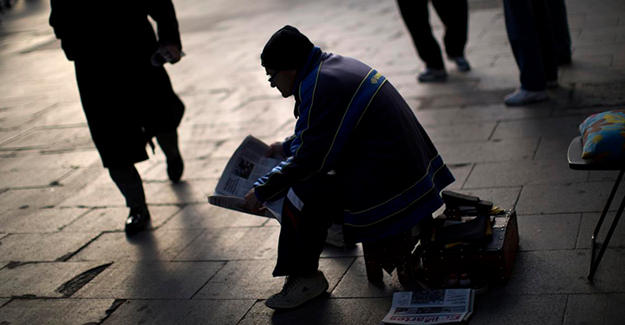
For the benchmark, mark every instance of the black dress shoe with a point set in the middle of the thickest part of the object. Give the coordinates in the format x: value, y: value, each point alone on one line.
x: 175, y: 167
x: 138, y: 219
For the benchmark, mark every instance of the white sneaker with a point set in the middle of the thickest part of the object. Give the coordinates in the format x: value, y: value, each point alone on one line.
x: 430, y: 75
x: 523, y: 97
x: 298, y: 290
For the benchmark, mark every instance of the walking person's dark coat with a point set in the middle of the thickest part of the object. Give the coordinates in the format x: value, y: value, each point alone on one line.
x: 126, y: 99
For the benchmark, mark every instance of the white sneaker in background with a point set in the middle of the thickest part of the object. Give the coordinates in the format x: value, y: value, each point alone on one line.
x: 523, y: 97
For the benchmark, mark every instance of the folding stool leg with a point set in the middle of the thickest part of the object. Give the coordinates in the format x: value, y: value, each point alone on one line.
x: 594, y: 262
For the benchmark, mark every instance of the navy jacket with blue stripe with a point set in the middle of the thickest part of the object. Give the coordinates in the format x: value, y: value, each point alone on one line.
x: 351, y: 120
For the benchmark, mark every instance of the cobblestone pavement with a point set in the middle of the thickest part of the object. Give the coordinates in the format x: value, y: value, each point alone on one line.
x: 64, y: 258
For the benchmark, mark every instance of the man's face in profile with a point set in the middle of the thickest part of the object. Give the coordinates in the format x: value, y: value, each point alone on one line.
x: 284, y: 80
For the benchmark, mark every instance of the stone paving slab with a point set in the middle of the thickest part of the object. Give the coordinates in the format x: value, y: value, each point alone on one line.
x: 80, y: 140
x: 461, y: 172
x: 42, y: 247
x: 22, y: 198
x: 145, y: 246
x: 553, y: 148
x: 96, y: 195
x: 563, y: 127
x: 478, y: 131
x: 179, y: 193
x: 39, y: 279
x: 567, y: 198
x: 602, y: 175
x: 523, y: 309
x: 433, y: 117
x: 204, y: 215
x: 368, y: 311
x: 64, y: 113
x: 32, y: 161
x: 5, y: 136
x: 595, y: 309
x: 166, y: 312
x: 537, y: 232
x: 355, y: 285
x: 39, y: 138
x: 113, y: 219
x: 498, y: 112
x: 32, y: 178
x: 232, y: 244
x: 20, y: 114
x: 201, y: 169
x: 552, y: 171
x: 488, y: 151
x: 254, y: 280
x: 587, y: 228
x: 55, y: 311
x: 150, y: 280
x: 32, y: 220
x: 564, y: 272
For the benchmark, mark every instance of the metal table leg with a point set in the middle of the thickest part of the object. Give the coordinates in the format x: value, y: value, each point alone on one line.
x: 594, y: 262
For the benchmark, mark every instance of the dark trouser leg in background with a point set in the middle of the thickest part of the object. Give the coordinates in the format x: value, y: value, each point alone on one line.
x: 169, y: 143
x: 417, y: 20
x: 533, y: 50
x: 561, y: 33
x: 455, y: 15
x: 129, y: 183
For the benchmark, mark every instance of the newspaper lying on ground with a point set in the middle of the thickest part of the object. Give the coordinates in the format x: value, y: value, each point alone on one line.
x: 248, y: 163
x: 431, y: 307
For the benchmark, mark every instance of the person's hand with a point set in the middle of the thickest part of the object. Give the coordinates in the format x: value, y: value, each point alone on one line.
x: 170, y: 52
x: 252, y: 203
x: 276, y: 150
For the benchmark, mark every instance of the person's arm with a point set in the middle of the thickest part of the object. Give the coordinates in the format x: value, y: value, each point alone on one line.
x: 314, y: 147
x: 163, y: 12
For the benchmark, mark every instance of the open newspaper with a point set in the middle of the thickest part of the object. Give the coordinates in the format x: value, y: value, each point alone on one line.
x: 247, y: 164
x: 431, y: 307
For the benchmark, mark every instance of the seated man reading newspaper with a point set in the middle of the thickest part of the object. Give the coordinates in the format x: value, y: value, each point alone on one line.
x: 358, y: 156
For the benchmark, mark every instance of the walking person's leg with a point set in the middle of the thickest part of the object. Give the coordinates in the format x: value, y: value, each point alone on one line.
x: 129, y: 182
x: 416, y: 17
x: 561, y: 32
x: 525, y: 45
x: 455, y: 16
x: 543, y: 22
x: 168, y: 141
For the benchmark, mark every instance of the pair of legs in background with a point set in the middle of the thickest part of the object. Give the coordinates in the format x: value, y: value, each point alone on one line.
x: 454, y: 15
x: 539, y: 36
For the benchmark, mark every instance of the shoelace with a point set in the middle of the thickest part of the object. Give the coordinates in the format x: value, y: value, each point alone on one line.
x: 291, y: 282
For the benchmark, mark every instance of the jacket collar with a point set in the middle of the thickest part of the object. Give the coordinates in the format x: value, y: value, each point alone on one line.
x: 314, y: 57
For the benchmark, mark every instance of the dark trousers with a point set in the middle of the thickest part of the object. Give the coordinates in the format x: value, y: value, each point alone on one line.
x: 309, y: 210
x: 531, y: 36
x: 129, y: 181
x: 453, y: 14
x: 561, y: 33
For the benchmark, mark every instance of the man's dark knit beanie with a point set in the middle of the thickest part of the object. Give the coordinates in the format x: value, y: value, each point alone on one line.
x: 287, y: 49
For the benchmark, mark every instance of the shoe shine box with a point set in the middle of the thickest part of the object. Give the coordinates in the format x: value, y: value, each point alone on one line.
x: 489, y: 262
